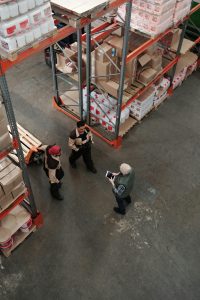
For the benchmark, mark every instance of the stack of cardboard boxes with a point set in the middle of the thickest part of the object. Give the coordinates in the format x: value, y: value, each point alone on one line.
x: 5, y: 141
x: 108, y: 62
x: 67, y: 63
x: 149, y: 65
x: 143, y: 104
x: 107, y: 66
x: 11, y: 183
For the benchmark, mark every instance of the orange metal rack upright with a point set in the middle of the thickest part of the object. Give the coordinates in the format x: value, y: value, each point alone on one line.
x: 101, y: 32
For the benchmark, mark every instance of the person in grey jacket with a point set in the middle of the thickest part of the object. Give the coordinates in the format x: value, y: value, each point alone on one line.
x: 122, y: 185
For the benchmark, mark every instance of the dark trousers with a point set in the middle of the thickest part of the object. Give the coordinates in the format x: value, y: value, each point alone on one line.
x: 85, y: 152
x: 54, y: 188
x: 121, y: 202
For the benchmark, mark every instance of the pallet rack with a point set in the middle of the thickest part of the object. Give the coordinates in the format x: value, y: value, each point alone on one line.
x: 101, y: 32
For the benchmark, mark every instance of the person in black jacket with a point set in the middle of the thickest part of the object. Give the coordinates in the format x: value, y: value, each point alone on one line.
x: 80, y: 141
x: 53, y: 169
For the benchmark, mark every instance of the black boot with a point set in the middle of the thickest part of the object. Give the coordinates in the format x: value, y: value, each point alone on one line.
x: 55, y: 191
x: 118, y: 211
x: 92, y: 169
x: 128, y: 200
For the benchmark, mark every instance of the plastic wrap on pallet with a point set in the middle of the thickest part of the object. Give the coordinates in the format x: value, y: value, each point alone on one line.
x: 24, y: 22
x: 150, y: 17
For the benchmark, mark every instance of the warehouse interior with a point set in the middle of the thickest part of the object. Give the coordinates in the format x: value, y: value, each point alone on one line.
x: 130, y: 71
x: 85, y: 251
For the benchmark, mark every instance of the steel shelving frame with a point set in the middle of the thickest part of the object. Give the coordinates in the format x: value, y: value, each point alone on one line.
x: 101, y: 32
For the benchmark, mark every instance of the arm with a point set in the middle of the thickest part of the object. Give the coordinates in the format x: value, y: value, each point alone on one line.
x: 52, y: 176
x: 119, y: 190
x: 42, y: 148
x: 72, y: 145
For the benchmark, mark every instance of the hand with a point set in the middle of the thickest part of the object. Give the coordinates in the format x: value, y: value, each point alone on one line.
x: 115, y: 174
x: 77, y: 149
x: 111, y: 181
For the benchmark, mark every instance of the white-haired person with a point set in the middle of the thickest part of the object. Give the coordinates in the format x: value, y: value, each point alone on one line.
x: 122, y: 183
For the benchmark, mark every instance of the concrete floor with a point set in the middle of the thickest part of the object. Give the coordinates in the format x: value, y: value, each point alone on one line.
x: 85, y: 251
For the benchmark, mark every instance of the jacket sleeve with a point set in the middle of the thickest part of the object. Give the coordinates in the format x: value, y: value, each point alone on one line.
x: 72, y: 145
x: 52, y: 176
x: 119, y: 190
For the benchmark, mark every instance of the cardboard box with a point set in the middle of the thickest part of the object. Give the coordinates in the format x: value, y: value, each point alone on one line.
x: 6, y: 201
x: 175, y: 37
x: 7, y: 170
x: 111, y: 87
x: 113, y: 69
x: 144, y: 59
x: 116, y: 42
x: 1, y: 192
x: 151, y: 50
x: 11, y: 180
x: 102, y: 69
x: 18, y: 190
x: 185, y: 61
x: 147, y: 75
x: 69, y: 53
x: 3, y: 127
x: 68, y: 68
x: 2, y: 112
x: 131, y: 68
x: 100, y: 53
x: 74, y: 47
x: 156, y: 60
x: 5, y: 141
x: 4, y: 163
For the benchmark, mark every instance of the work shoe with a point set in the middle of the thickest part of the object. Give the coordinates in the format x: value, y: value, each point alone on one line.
x: 128, y: 200
x: 118, y: 211
x: 59, y: 197
x: 93, y: 170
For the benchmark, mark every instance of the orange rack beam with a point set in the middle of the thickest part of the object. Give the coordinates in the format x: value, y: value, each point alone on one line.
x: 151, y: 41
x: 165, y: 70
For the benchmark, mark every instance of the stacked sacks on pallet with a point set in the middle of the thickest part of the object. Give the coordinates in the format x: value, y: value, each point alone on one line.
x: 182, y: 8
x: 5, y: 141
x: 11, y: 183
x: 143, y: 104
x: 154, y: 17
x: 161, y: 89
x: 23, y: 22
x: 150, y: 17
x: 18, y: 219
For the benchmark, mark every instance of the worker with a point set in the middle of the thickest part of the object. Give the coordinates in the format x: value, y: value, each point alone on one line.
x: 122, y: 185
x: 80, y: 141
x: 53, y: 169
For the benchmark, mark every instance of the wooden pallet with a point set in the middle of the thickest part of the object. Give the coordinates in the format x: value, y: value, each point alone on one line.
x: 18, y: 238
x: 70, y: 100
x: 126, y: 126
x: 28, y: 141
x: 13, y: 55
x: 71, y: 12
